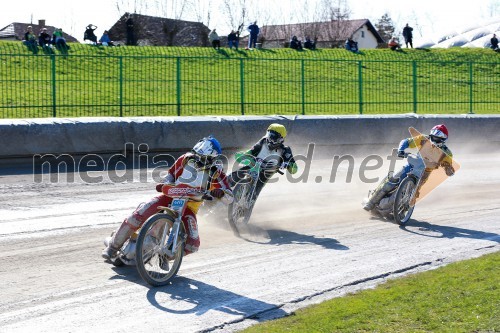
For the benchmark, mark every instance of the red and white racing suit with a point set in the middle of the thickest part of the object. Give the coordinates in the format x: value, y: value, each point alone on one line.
x: 184, y: 171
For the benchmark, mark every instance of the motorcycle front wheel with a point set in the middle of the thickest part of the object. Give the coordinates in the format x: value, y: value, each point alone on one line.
x: 240, y: 209
x: 402, y: 210
x: 152, y: 263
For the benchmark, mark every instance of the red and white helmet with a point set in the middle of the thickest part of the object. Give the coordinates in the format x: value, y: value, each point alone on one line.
x: 439, y: 134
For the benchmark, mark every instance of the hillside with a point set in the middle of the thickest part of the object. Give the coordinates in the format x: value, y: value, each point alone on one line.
x: 145, y: 81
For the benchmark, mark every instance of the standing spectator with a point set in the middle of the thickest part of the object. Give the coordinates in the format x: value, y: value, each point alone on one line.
x: 129, y: 22
x: 233, y: 39
x: 309, y: 44
x: 394, y: 44
x: 214, y: 39
x: 105, y: 40
x: 254, y: 33
x: 89, y: 33
x: 30, y: 40
x: 295, y: 43
x: 494, y: 43
x: 408, y: 35
x: 44, y: 40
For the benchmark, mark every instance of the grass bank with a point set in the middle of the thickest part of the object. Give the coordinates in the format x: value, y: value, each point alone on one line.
x: 171, y: 81
x: 460, y: 297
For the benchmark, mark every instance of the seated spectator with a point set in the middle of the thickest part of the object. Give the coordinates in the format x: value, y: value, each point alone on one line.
x: 89, y: 33
x: 59, y: 41
x: 30, y: 40
x: 394, y: 44
x: 45, y: 41
x: 494, y: 43
x: 233, y: 40
x: 309, y: 44
x: 351, y: 45
x: 295, y: 43
x: 105, y: 40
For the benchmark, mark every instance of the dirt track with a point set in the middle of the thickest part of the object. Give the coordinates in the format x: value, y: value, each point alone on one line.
x: 308, y: 242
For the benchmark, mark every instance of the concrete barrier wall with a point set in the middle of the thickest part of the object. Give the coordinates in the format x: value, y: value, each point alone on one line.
x: 27, y: 137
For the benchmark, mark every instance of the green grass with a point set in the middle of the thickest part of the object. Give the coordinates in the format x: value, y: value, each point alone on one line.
x: 150, y: 81
x: 460, y: 297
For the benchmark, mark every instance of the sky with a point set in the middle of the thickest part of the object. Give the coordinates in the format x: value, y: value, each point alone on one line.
x: 429, y: 18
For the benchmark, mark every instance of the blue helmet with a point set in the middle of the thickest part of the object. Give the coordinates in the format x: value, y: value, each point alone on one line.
x: 206, y: 150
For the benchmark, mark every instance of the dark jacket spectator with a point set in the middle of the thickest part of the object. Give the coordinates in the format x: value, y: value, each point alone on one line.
x: 295, y: 43
x: 233, y: 39
x: 44, y: 39
x: 351, y: 45
x: 494, y: 43
x: 254, y: 33
x: 129, y: 23
x: 309, y: 44
x: 89, y: 33
x: 408, y: 35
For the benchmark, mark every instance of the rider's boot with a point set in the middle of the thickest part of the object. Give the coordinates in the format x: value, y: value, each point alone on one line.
x: 374, y: 199
x: 118, y: 239
x: 380, y: 192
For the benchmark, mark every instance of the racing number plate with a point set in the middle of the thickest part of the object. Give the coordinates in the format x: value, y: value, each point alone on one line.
x: 178, y: 204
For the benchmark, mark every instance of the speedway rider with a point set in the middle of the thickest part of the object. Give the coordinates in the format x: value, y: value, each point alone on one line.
x: 195, y: 168
x: 271, y: 149
x: 437, y: 138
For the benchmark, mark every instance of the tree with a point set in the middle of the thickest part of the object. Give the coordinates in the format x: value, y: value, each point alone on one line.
x: 385, y: 27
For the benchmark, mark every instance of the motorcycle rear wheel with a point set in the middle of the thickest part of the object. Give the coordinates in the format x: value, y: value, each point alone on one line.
x: 240, y: 209
x: 402, y: 210
x: 150, y: 262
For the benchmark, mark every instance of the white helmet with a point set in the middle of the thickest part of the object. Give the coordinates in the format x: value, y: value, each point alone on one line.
x: 206, y: 150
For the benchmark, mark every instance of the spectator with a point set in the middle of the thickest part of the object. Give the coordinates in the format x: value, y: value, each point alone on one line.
x: 351, y: 45
x: 295, y: 43
x: 494, y: 43
x: 394, y: 44
x: 233, y: 39
x: 408, y: 35
x: 309, y: 44
x: 129, y: 22
x: 44, y: 40
x: 59, y: 41
x: 89, y: 33
x: 254, y: 33
x: 30, y: 40
x: 214, y: 39
x: 105, y: 40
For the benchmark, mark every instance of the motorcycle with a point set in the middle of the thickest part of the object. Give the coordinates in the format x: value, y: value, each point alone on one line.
x: 245, y: 191
x: 157, y: 248
x: 397, y: 202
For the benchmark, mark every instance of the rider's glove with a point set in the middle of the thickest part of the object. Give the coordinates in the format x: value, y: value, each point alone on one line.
x: 450, y: 171
x: 159, y: 186
x: 217, y: 193
x: 401, y: 153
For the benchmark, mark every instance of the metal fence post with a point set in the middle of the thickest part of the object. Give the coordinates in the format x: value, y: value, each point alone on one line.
x: 360, y: 86
x: 179, y: 86
x: 121, y: 86
x: 471, y: 91
x: 242, y: 87
x: 53, y: 65
x: 303, y: 88
x: 415, y: 104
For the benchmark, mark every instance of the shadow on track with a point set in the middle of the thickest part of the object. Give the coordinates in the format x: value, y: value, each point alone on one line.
x: 282, y: 237
x: 192, y: 296
x: 438, y: 231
